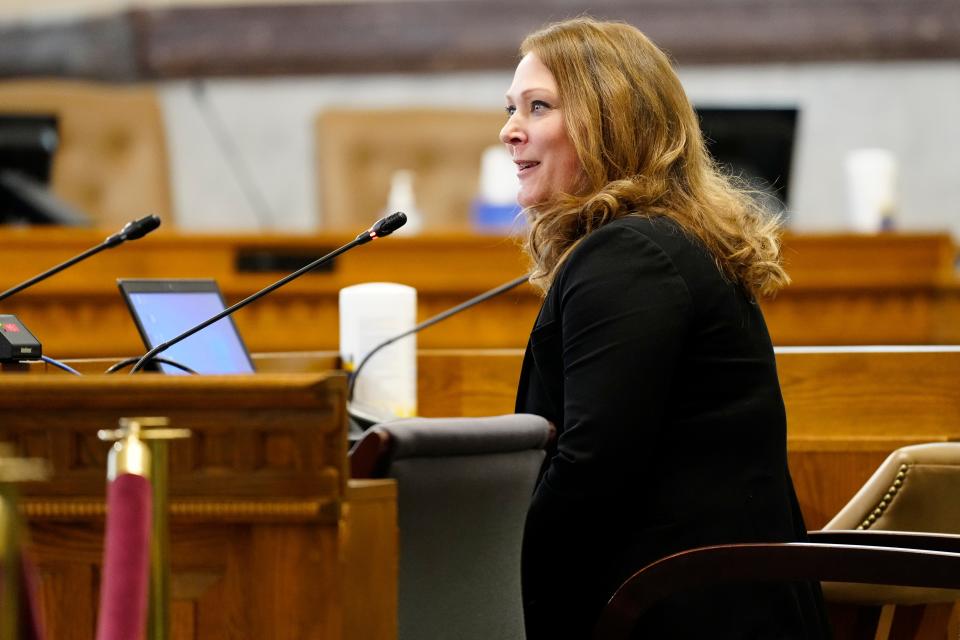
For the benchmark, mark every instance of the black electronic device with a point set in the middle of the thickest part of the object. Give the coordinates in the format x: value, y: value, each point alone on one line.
x: 16, y: 342
x: 756, y: 144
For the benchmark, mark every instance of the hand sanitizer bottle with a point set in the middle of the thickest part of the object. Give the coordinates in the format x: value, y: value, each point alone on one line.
x: 401, y: 199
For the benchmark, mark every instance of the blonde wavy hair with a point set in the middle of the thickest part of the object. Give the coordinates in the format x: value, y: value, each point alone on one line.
x: 639, y: 143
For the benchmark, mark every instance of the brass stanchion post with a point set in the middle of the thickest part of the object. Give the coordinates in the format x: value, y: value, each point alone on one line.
x: 154, y: 460
x: 12, y: 533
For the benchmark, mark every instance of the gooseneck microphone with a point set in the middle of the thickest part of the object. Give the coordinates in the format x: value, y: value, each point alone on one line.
x: 486, y: 295
x: 131, y: 231
x: 382, y: 228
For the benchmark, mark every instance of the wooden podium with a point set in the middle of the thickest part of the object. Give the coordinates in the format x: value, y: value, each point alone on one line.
x: 264, y: 525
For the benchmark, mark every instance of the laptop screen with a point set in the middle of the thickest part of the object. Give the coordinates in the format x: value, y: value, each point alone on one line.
x: 162, y: 309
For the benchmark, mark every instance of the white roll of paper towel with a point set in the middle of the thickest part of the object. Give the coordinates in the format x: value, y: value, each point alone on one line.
x: 370, y: 314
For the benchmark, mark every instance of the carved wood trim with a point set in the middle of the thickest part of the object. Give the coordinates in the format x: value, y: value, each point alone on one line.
x: 320, y: 510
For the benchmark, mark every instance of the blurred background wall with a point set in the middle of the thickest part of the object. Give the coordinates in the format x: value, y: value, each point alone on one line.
x: 860, y: 94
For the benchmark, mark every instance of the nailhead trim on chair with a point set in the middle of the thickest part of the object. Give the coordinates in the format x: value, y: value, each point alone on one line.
x: 887, y: 499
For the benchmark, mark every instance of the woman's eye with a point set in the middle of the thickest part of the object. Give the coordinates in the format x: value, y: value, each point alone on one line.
x: 510, y: 110
x: 539, y: 105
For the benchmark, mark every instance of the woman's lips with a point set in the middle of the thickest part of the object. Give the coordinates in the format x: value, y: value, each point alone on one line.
x: 524, y: 167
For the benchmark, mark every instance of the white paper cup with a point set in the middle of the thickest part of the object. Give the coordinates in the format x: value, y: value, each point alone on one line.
x: 871, y: 189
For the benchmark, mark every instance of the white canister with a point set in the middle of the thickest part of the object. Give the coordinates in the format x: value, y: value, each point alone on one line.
x: 370, y: 314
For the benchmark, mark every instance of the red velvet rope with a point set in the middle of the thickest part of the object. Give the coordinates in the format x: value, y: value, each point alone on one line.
x: 126, y: 565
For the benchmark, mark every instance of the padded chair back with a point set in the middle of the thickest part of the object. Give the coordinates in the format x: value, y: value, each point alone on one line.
x: 112, y: 159
x: 359, y: 150
x: 464, y: 486
x: 915, y: 489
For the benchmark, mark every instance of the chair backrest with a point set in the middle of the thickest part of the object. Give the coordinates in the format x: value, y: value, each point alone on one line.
x: 358, y: 150
x: 464, y: 486
x: 112, y: 158
x: 915, y: 489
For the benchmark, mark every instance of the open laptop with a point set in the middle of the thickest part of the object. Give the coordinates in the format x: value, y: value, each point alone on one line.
x: 165, y: 308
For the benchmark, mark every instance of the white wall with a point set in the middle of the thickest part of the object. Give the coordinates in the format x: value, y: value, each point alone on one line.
x: 910, y: 108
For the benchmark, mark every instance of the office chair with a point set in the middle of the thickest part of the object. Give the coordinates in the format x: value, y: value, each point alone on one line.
x: 464, y: 485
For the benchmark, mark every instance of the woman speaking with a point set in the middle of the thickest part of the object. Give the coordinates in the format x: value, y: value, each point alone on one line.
x: 650, y: 353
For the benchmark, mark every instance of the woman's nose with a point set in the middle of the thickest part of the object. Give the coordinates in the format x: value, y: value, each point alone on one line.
x: 511, y: 133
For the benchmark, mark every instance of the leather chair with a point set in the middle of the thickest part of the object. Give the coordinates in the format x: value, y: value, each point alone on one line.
x: 112, y: 157
x: 893, y: 543
x: 863, y: 557
x: 358, y: 150
x: 913, y: 490
x: 464, y: 486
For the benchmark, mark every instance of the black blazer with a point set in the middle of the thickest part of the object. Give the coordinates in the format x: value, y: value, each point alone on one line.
x: 661, y: 379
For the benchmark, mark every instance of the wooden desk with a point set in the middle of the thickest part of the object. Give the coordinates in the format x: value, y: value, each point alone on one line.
x: 267, y: 536
x: 848, y: 289
x: 847, y: 409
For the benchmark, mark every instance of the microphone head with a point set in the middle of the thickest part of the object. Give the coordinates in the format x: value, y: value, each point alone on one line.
x: 386, y: 226
x: 139, y: 228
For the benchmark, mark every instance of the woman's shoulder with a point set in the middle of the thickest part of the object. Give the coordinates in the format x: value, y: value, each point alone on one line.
x: 633, y: 237
x: 623, y: 246
x: 635, y: 244
x: 640, y: 229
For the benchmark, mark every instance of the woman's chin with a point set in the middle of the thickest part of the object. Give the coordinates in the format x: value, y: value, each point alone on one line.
x: 528, y: 199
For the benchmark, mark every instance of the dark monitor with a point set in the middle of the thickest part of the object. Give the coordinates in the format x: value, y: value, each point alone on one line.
x: 163, y: 309
x: 28, y: 143
x: 755, y: 144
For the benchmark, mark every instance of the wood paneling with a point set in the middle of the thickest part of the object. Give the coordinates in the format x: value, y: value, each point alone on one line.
x: 846, y: 410
x: 371, y: 537
x: 431, y: 35
x: 263, y: 537
x: 847, y: 289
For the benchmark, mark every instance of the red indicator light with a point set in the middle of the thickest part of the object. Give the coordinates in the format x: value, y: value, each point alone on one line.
x: 9, y: 327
